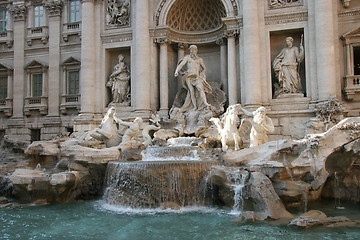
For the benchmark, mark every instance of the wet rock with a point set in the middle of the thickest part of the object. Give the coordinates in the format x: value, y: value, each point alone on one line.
x: 259, y: 199
x: 318, y: 218
x: 170, y: 205
x: 3, y: 200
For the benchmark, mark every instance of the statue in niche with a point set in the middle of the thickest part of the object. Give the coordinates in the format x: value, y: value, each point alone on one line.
x: 286, y: 67
x: 261, y: 124
x: 227, y: 127
x: 119, y: 81
x: 194, y: 81
x: 118, y: 11
x: 108, y: 131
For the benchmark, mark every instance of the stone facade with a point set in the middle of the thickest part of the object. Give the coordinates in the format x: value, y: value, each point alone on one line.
x: 56, y: 57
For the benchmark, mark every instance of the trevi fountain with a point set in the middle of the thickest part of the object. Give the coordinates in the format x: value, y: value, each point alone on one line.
x: 204, y: 171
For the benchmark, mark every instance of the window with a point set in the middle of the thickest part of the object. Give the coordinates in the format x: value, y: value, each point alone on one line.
x: 3, y: 87
x: 73, y: 82
x: 74, y: 11
x: 37, y: 85
x: 357, y: 60
x: 38, y: 16
x: 35, y: 135
x: 3, y: 20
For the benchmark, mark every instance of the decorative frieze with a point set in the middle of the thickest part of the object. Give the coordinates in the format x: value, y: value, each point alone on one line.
x: 54, y: 7
x: 18, y: 12
x: 117, y: 38
x: 273, y: 4
x: 355, y: 12
x: 286, y: 18
x: 118, y: 12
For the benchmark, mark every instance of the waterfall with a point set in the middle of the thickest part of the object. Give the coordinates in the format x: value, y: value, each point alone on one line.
x: 151, y: 184
x: 337, y: 192
x: 237, y: 179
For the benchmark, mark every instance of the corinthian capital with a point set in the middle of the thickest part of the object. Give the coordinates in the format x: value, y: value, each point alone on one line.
x: 18, y: 12
x: 54, y: 7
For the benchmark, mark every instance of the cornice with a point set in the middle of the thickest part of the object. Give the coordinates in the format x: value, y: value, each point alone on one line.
x: 286, y: 18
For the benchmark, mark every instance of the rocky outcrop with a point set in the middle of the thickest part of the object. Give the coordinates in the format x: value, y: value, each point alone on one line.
x: 299, y: 169
x: 11, y: 157
x: 318, y: 218
x: 62, y: 171
x: 249, y: 193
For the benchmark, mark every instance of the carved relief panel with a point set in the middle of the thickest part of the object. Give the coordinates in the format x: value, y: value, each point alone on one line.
x: 118, y: 12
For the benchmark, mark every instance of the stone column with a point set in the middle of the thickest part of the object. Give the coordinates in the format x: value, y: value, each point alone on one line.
x: 15, y: 125
x: 252, y: 67
x: 141, y: 54
x: 232, y: 86
x: 223, y: 64
x: 19, y: 14
x: 88, y: 58
x: 54, y: 12
x: 164, y: 84
x: 325, y: 48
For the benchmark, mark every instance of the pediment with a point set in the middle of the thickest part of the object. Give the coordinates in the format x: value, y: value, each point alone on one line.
x: 71, y: 61
x: 4, y: 67
x: 34, y: 64
x: 355, y: 33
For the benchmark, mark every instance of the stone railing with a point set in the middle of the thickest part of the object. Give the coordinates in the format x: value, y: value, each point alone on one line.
x: 36, y: 104
x: 41, y: 33
x: 7, y: 37
x: 6, y: 106
x: 352, y: 87
x: 71, y: 29
x: 69, y: 102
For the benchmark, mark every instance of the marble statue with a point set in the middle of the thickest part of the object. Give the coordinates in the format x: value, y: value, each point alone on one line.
x: 194, y: 81
x: 108, y: 132
x: 155, y: 119
x: 228, y: 128
x: 133, y: 130
x: 261, y: 124
x: 286, y: 67
x: 118, y: 11
x: 119, y: 81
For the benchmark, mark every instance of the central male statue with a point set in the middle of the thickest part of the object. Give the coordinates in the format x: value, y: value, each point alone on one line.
x: 194, y: 81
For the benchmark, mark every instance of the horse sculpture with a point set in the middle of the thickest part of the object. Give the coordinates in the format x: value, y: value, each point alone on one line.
x: 228, y: 128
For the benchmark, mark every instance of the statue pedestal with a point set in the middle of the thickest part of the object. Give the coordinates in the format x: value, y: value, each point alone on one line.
x: 291, y: 101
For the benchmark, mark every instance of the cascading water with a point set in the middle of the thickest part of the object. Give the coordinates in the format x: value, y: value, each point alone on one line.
x: 154, y: 184
x: 237, y: 178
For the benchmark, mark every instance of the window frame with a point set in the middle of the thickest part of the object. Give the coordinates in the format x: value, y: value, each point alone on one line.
x: 76, y: 11
x: 4, y: 21
x: 38, y: 21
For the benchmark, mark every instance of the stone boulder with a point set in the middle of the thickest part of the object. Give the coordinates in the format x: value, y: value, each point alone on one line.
x: 249, y: 193
x: 299, y: 169
x: 318, y: 218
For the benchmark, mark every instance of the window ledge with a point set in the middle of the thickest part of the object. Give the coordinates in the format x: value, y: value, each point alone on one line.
x: 352, y: 87
x: 36, y: 104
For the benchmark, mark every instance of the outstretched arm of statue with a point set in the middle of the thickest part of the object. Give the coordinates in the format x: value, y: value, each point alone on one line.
x: 246, y: 112
x: 179, y: 67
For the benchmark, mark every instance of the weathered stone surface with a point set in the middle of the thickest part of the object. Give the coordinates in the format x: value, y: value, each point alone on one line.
x: 318, y: 218
x: 302, y: 167
x: 259, y: 199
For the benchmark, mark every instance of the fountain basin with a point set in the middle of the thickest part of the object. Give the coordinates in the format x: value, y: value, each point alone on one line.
x: 158, y: 183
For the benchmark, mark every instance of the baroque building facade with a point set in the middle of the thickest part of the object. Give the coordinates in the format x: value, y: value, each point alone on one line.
x: 56, y: 58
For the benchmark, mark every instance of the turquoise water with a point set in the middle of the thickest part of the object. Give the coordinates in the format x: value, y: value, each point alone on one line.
x: 97, y: 220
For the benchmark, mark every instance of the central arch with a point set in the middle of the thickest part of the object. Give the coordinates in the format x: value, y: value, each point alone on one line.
x: 162, y: 11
